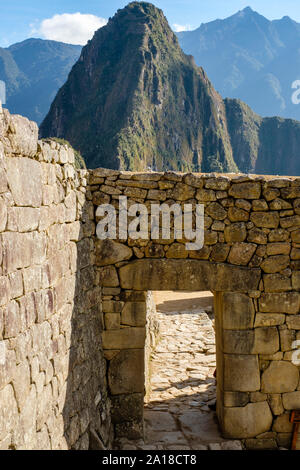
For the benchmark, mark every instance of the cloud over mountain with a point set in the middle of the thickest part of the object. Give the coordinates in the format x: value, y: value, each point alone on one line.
x: 75, y: 28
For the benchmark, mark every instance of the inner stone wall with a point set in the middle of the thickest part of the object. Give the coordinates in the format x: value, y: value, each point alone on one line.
x: 53, y: 392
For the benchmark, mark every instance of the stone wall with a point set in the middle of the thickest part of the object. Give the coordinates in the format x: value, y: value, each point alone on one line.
x: 250, y: 261
x: 53, y: 392
x: 73, y: 309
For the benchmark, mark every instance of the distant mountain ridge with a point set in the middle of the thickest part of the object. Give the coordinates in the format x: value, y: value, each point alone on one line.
x: 251, y: 58
x: 33, y: 71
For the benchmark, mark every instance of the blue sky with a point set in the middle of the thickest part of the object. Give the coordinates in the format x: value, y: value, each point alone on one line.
x: 21, y: 19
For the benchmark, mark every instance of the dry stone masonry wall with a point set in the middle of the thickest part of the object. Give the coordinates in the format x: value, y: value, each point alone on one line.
x: 52, y: 371
x: 75, y: 316
x: 250, y: 261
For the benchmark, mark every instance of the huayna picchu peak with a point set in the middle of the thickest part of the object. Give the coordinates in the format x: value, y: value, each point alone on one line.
x: 135, y: 101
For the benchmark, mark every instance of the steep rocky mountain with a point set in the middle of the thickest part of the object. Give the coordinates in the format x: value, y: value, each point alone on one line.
x: 33, y: 71
x: 250, y: 58
x: 263, y: 145
x: 134, y: 100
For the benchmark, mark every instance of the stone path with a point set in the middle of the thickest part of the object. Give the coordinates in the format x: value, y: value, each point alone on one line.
x: 177, y: 416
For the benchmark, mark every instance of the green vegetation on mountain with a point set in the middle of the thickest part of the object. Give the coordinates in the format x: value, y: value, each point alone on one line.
x: 79, y: 160
x: 134, y: 100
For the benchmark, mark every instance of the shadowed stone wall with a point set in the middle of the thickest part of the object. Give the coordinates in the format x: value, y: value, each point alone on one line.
x: 53, y: 392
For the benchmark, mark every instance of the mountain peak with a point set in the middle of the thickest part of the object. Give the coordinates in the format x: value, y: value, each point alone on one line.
x: 248, y: 10
x: 134, y: 100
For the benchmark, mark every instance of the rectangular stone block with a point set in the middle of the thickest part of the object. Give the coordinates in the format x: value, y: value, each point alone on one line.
x: 269, y: 319
x: 238, y: 311
x: 126, y: 338
x: 286, y: 338
x: 280, y: 303
x: 134, y: 314
x: 241, y: 373
x: 258, y: 341
x: 296, y: 280
x: 107, y: 276
x: 112, y: 306
x: 235, y: 399
x: 25, y: 181
x: 168, y: 274
x: 238, y: 342
x: 277, y: 283
x: 126, y: 372
x: 112, y: 321
x: 291, y: 401
x: 293, y: 322
x: 266, y: 341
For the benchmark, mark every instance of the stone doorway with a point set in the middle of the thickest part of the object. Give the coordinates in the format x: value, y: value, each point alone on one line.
x: 243, y: 411
x: 181, y: 384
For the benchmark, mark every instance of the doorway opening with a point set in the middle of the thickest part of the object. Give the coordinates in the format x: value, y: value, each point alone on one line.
x: 180, y: 382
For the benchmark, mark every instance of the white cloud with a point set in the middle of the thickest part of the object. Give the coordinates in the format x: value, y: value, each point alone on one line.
x: 181, y: 27
x: 75, y: 28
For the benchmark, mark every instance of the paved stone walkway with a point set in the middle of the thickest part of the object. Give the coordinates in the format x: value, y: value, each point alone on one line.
x: 177, y: 416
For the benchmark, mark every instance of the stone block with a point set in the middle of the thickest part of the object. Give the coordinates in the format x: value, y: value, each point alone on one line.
x: 241, y: 373
x: 8, y: 412
x: 248, y: 421
x: 241, y: 253
x: 288, y: 302
x: 291, y: 401
x: 134, y: 314
x: 258, y: 341
x: 3, y: 214
x: 238, y: 311
x: 293, y: 322
x: 281, y: 248
x: 110, y: 252
x: 287, y: 337
x: 127, y: 407
x: 126, y: 338
x: 265, y: 219
x: 269, y: 319
x: 126, y: 372
x: 188, y: 275
x: 256, y: 235
x: 234, y: 399
x: 235, y: 233
x: 282, y: 424
x: 261, y: 444
x: 247, y: 190
x: 277, y: 283
x: 112, y: 321
x: 280, y: 377
x: 23, y: 136
x: 256, y: 397
x: 275, y: 402
x: 108, y: 277
x: 112, y: 306
x: 266, y: 341
x: 25, y: 181
x: 216, y: 211
x: 275, y: 264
